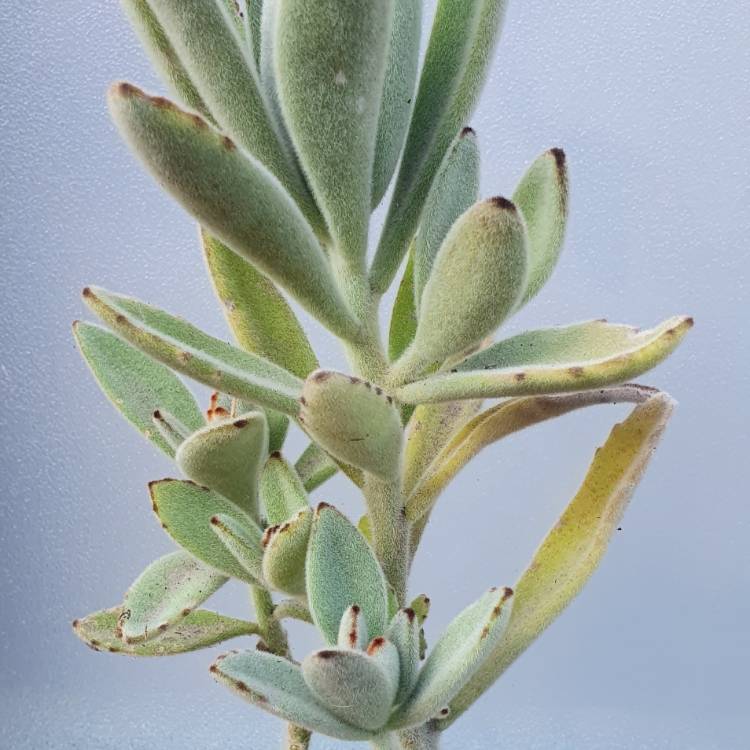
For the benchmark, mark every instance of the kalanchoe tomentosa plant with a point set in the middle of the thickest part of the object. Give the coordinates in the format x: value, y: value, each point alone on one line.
x: 292, y: 118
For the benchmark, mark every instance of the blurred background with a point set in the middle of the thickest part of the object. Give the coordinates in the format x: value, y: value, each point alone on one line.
x: 650, y: 102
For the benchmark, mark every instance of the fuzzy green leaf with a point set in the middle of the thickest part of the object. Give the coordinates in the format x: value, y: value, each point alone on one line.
x: 276, y: 685
x: 163, y: 595
x: 233, y: 196
x: 352, y: 629
x: 210, y: 44
x: 455, y: 190
x: 542, y: 198
x: 351, y: 685
x: 354, y: 421
x: 314, y: 467
x: 330, y: 59
x: 459, y: 653
x: 403, y: 633
x: 228, y: 457
x: 186, y: 511
x: 498, y: 422
x: 285, y: 553
x: 404, y: 316
x: 476, y: 280
x: 462, y: 42
x: 281, y: 490
x: 554, y: 360
x: 576, y: 544
x: 253, y: 22
x: 199, y: 629
x: 241, y: 542
x: 341, y: 570
x: 172, y: 431
x: 184, y: 348
x: 136, y: 384
x: 398, y: 93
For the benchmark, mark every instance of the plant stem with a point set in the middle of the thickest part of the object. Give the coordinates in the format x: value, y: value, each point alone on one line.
x: 426, y: 737
x: 296, y: 738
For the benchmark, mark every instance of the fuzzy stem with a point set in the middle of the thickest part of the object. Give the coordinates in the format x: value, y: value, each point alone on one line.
x: 296, y: 738
x: 426, y: 737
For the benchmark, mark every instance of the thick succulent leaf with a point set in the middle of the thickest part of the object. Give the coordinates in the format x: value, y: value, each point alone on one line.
x: 281, y: 490
x: 576, y: 544
x: 330, y: 61
x: 185, y: 348
x: 136, y: 384
x: 403, y: 633
x: 163, y: 55
x: 461, y: 650
x: 404, y: 316
x: 199, y: 629
x: 498, y: 422
x: 185, y: 511
x: 476, y: 281
x: 398, y: 93
x: 240, y: 542
x: 233, y: 196
x: 314, y: 467
x: 542, y: 198
x: 260, y: 318
x: 341, y: 570
x: 209, y: 43
x: 170, y: 428
x: 276, y: 685
x: 228, y: 457
x: 462, y: 41
x: 351, y: 685
x: 253, y: 23
x: 455, y: 190
x: 163, y: 595
x: 386, y: 656
x: 554, y: 360
x: 353, y: 629
x: 353, y: 420
x: 421, y: 606
x: 285, y: 553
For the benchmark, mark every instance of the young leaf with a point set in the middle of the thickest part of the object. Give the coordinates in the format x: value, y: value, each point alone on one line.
x: 476, y: 280
x: 276, y: 685
x: 228, y: 457
x: 240, y: 542
x: 455, y: 190
x: 136, y: 384
x: 170, y: 428
x: 314, y: 467
x: 351, y: 685
x: 398, y: 93
x: 233, y: 196
x: 554, y: 360
x: 199, y: 629
x: 260, y: 318
x: 403, y: 633
x: 184, y: 348
x: 163, y: 595
x: 281, y: 490
x: 542, y: 198
x: 254, y: 10
x: 341, y: 570
x: 576, y: 544
x: 404, y: 316
x: 352, y: 629
x: 462, y: 41
x: 186, y: 510
x: 285, y: 553
x: 163, y: 56
x: 498, y: 422
x: 352, y: 420
x: 385, y: 655
x: 330, y: 61
x: 462, y: 649
x: 220, y: 63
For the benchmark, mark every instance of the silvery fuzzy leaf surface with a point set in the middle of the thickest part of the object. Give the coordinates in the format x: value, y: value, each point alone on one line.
x: 281, y: 490
x: 353, y: 629
x: 403, y: 633
x: 241, y: 542
x: 285, y: 551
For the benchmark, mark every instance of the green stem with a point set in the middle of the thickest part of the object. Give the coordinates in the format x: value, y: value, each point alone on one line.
x: 296, y: 738
x: 426, y: 737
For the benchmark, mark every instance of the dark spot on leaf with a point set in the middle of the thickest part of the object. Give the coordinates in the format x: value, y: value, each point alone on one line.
x: 275, y: 454
x: 559, y: 155
x: 240, y: 423
x: 321, y: 375
x: 467, y: 131
x: 503, y: 203
x: 326, y: 654
x: 576, y: 371
x: 375, y: 645
x: 519, y: 376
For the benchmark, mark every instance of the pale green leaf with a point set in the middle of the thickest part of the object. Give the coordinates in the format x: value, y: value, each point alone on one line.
x: 404, y: 315
x: 136, y: 384
x: 330, y: 59
x: 186, y: 510
x: 285, y: 552
x: 576, y: 544
x: 233, y: 196
x: 353, y: 420
x: 228, y: 457
x: 276, y: 685
x: 170, y: 428
x: 314, y: 467
x: 461, y: 650
x: 341, y: 570
x: 352, y: 629
x: 281, y: 490
x: 184, y: 348
x: 199, y: 629
x: 241, y: 542
x: 403, y: 633
x: 163, y: 595
x: 253, y: 18
x: 554, y: 360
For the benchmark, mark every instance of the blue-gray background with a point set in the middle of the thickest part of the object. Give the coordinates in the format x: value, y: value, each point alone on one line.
x: 650, y: 101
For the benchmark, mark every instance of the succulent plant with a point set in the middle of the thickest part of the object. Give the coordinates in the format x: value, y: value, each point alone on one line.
x: 289, y: 120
